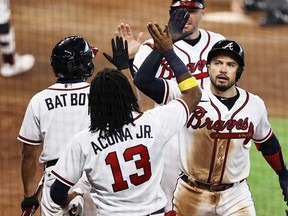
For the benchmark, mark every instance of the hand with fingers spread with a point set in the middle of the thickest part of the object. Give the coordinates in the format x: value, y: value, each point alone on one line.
x: 177, y: 22
x: 124, y: 31
x: 162, y: 39
x: 120, y: 53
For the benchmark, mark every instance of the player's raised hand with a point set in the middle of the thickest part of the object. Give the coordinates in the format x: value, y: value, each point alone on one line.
x: 124, y: 31
x: 177, y: 22
x: 162, y: 39
x: 120, y: 53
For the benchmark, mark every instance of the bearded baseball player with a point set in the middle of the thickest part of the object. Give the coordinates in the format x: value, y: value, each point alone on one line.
x: 214, y: 145
x: 122, y: 150
x: 192, y: 50
x: 52, y: 117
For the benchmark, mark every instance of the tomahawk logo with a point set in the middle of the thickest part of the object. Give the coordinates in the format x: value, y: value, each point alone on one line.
x: 230, y: 46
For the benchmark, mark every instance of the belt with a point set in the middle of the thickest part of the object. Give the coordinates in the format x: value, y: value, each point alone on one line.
x: 207, y: 186
x: 157, y: 212
x: 50, y: 163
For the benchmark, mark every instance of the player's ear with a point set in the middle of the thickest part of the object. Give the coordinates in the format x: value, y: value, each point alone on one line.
x: 208, y: 68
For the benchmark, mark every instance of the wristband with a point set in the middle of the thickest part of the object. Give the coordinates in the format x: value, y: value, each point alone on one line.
x: 178, y: 67
x: 188, y: 84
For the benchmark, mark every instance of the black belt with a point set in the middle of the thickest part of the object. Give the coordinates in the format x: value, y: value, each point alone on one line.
x: 157, y: 212
x: 50, y: 163
x: 207, y: 186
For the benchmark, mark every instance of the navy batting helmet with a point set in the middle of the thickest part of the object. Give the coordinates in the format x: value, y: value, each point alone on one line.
x: 197, y: 4
x: 71, y: 58
x: 230, y: 48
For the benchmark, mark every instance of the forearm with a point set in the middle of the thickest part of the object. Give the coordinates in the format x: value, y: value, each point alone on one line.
x: 59, y: 193
x: 179, y: 68
x: 28, y: 169
x: 271, y: 151
x: 187, y: 84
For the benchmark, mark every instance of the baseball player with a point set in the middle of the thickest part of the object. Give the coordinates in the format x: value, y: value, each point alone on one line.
x: 193, y: 52
x: 13, y: 63
x: 122, y: 150
x: 53, y: 116
x: 214, y: 145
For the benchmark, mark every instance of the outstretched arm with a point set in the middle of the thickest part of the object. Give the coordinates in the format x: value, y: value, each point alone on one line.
x: 146, y: 81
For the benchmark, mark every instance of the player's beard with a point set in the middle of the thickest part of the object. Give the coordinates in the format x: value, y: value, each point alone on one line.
x: 222, y: 87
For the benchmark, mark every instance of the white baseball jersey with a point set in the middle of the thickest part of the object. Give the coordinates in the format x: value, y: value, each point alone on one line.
x: 53, y: 116
x: 214, y: 146
x: 194, y: 57
x: 125, y: 170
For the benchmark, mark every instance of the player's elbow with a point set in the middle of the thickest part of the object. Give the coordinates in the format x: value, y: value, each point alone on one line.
x: 59, y: 193
x: 193, y: 98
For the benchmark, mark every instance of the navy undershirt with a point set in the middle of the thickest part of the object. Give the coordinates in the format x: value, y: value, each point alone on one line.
x: 228, y: 102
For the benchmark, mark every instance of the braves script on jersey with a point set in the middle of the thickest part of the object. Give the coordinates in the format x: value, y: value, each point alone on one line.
x: 195, y: 57
x: 215, y: 145
x: 125, y: 170
x: 59, y: 106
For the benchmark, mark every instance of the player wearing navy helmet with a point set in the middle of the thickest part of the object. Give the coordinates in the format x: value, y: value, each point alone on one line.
x: 214, y: 145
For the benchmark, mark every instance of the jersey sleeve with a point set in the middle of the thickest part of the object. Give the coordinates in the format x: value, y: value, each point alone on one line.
x: 30, y: 132
x: 171, y: 118
x: 69, y: 167
x: 263, y: 129
x: 141, y: 55
x: 172, y: 91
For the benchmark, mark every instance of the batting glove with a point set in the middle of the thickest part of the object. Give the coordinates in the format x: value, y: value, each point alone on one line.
x: 29, y: 202
x: 120, y: 53
x: 176, y: 23
x: 283, y: 179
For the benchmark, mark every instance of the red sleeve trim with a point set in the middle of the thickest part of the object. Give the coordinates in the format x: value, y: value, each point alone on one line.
x: 258, y: 142
x: 275, y: 161
x: 62, y: 179
x: 167, y: 89
x: 23, y: 139
x: 185, y: 107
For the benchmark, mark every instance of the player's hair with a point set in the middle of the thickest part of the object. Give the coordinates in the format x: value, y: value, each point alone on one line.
x: 111, y: 102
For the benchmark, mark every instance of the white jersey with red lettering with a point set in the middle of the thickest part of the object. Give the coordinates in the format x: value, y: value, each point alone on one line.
x: 224, y: 136
x: 125, y: 170
x: 51, y: 118
x: 194, y: 57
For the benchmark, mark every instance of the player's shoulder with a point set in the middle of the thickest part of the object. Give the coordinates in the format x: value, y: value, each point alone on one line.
x: 253, y: 98
x: 212, y: 35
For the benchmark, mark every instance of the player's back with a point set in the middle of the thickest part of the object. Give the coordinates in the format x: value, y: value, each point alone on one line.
x: 56, y: 114
x: 125, y: 169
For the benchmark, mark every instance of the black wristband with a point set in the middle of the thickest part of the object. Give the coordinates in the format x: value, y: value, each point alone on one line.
x: 175, y: 63
x: 29, y: 202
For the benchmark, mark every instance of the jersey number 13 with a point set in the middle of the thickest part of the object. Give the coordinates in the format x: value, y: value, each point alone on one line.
x: 143, y: 163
